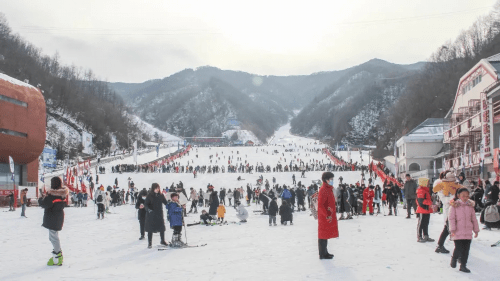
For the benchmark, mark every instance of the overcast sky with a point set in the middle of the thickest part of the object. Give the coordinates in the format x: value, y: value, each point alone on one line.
x: 138, y: 40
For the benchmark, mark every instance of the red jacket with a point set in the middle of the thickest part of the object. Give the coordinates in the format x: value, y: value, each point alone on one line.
x: 368, y: 194
x: 327, y: 214
x: 424, y: 201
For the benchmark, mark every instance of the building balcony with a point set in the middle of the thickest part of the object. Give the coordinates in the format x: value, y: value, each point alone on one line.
x: 456, y: 162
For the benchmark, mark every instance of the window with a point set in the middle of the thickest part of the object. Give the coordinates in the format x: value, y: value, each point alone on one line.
x: 414, y: 167
x: 13, y: 101
x: 13, y: 133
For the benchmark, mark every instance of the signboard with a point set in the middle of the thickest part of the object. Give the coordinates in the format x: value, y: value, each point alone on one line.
x: 11, y: 162
x: 495, y: 158
x: 49, y: 158
x: 496, y: 119
x: 87, y: 143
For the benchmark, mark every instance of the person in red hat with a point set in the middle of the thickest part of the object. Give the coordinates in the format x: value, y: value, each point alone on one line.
x: 327, y: 215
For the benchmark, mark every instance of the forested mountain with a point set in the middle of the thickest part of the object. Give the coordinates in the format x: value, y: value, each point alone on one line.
x: 201, y: 102
x: 69, y: 92
x: 349, y: 109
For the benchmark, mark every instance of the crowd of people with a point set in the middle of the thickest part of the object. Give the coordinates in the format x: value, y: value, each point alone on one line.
x: 457, y: 198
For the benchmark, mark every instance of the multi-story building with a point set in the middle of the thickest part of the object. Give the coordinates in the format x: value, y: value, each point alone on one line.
x: 22, y: 132
x: 475, y: 116
x: 418, y: 148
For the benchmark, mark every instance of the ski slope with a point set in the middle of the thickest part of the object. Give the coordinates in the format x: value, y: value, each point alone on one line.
x: 369, y: 248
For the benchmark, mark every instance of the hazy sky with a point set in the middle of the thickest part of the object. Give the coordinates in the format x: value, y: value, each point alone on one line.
x: 138, y: 40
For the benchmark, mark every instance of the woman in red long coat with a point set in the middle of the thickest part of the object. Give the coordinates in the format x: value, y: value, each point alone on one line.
x: 327, y: 216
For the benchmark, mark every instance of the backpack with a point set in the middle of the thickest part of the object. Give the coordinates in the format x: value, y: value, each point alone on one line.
x: 99, y: 198
x: 314, y: 205
x: 491, y: 214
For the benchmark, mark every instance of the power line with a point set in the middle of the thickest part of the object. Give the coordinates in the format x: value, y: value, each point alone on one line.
x: 162, y: 31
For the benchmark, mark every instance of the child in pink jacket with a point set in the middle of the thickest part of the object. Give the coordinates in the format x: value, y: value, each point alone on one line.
x: 463, y: 222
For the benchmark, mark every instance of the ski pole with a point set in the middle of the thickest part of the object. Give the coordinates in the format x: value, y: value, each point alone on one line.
x: 183, y: 223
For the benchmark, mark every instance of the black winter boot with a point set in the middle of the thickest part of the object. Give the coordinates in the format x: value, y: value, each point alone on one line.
x: 442, y: 249
x: 453, y: 263
x: 464, y: 268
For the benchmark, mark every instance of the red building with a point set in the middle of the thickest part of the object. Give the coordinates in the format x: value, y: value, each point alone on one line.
x: 22, y: 132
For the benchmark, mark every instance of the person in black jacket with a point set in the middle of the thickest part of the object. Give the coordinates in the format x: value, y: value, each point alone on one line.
x: 214, y: 204
x: 273, y: 210
x: 154, y: 214
x: 236, y: 195
x: 11, y: 202
x: 493, y: 193
x: 265, y: 202
x: 114, y: 198
x: 141, y: 213
x: 53, y: 216
x: 286, y: 213
x: 300, y: 198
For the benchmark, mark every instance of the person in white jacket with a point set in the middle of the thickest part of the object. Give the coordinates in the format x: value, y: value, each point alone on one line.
x: 241, y: 213
x: 445, y: 187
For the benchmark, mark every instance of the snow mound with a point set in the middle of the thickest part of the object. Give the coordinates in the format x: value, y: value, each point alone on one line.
x: 243, y: 135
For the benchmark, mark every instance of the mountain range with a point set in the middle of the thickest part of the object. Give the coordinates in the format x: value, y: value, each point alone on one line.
x: 208, y: 101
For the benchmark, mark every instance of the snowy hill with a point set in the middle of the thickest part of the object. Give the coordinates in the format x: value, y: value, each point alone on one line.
x: 243, y: 135
x: 350, y: 109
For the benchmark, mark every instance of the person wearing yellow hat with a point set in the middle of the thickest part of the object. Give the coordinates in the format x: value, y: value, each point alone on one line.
x: 424, y: 208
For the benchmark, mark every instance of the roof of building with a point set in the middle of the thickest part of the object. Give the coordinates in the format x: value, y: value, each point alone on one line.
x: 431, y: 126
x: 495, y: 61
x: 431, y: 130
x: 494, y: 58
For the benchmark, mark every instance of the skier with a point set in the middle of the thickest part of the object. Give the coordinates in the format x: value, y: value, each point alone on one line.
x: 53, y: 216
x: 327, y: 216
x: 293, y: 179
x: 214, y: 204
x: 286, y: 195
x: 141, y: 213
x: 286, y: 213
x: 273, y: 210
x: 194, y: 200
x: 100, y: 197
x: 241, y: 212
x: 154, y: 216
x: 205, y: 217
x: 368, y: 195
x: 229, y: 197
x: 392, y: 197
x: 175, y: 211
x: 221, y: 210
x: 377, y: 198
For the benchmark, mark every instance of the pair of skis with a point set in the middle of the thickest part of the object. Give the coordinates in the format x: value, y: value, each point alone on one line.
x: 496, y: 244
x: 164, y: 248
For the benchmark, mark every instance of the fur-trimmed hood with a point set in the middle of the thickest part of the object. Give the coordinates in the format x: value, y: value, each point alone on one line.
x: 62, y: 192
x: 458, y: 203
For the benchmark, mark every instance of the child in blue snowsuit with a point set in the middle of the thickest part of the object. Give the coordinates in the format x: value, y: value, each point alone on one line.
x: 175, y: 210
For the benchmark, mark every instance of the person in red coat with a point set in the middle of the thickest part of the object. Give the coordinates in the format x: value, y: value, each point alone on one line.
x: 327, y: 215
x: 424, y: 208
x: 368, y: 195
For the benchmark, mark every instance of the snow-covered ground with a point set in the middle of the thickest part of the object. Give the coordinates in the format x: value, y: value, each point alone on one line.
x: 243, y: 135
x: 369, y: 248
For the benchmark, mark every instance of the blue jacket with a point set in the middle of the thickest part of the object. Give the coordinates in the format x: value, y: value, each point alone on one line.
x: 79, y: 196
x: 286, y: 194
x: 175, y: 214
